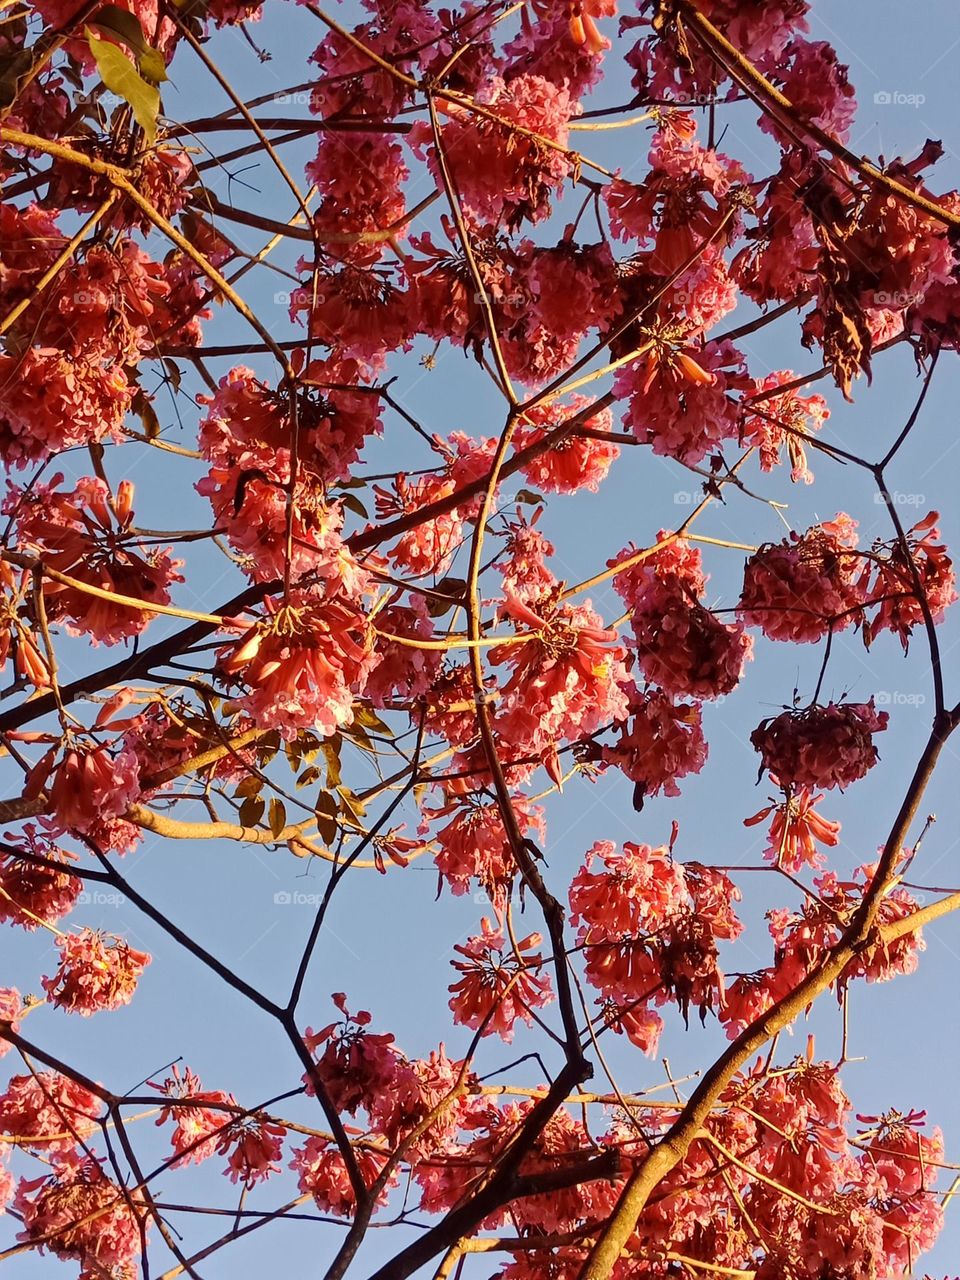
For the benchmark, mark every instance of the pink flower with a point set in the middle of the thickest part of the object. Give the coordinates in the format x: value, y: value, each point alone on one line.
x: 323, y: 1174
x: 783, y: 420
x: 11, y: 1011
x: 31, y: 894
x: 402, y: 671
x: 50, y: 402
x: 97, y: 971
x: 650, y: 926
x: 78, y: 1212
x: 682, y: 199
x: 430, y: 545
x: 91, y: 790
x: 502, y: 176
x: 199, y: 1127
x: 355, y: 1065
x: 254, y: 1146
x: 523, y: 565
x: 567, y: 679
x: 807, y: 586
x: 473, y: 845
x: 897, y: 573
x: 48, y: 1111
x: 498, y: 985
x: 360, y: 180
x: 303, y: 666
x: 247, y: 440
x: 796, y: 830
x: 660, y: 743
x: 678, y: 399
x: 816, y: 83
x: 577, y: 462
x: 86, y: 534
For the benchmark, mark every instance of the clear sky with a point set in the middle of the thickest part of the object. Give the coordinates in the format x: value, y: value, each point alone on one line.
x: 388, y: 943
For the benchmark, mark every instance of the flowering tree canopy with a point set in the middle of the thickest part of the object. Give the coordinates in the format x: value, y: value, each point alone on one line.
x: 272, y: 597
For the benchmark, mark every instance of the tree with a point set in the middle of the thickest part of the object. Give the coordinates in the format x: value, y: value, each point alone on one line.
x: 386, y: 671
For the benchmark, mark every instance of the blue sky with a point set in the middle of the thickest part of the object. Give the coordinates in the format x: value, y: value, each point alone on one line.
x: 389, y: 942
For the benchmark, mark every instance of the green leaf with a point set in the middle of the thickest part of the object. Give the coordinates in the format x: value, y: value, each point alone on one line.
x: 353, y: 504
x: 278, y: 817
x: 248, y: 786
x: 126, y: 26
x: 14, y: 66
x: 122, y: 78
x: 310, y: 774
x: 454, y: 588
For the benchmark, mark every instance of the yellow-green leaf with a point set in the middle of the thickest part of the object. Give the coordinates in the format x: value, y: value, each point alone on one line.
x: 125, y: 26
x: 122, y: 78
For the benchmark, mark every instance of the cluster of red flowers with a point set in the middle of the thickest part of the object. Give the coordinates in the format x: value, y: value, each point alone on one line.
x: 96, y: 971
x: 472, y: 845
x: 209, y: 1122
x: 34, y: 893
x: 500, y: 982
x: 650, y: 926
x: 821, y: 746
x: 88, y: 534
x: 805, y: 587
x: 661, y: 742
x: 817, y: 583
x: 304, y: 664
x: 681, y: 645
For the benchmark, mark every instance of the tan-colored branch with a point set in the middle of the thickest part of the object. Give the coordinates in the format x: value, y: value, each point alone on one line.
x: 754, y: 82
